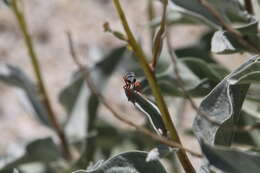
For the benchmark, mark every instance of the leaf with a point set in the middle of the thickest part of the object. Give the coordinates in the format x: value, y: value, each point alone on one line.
x: 14, y: 76
x: 77, y: 123
x: 250, y: 106
x: 200, y: 49
x: 151, y: 110
x: 84, y: 112
x: 224, y: 43
x: 223, y: 104
x: 203, y: 69
x: 221, y: 44
x: 173, y: 17
x: 15, y: 171
x: 75, y: 97
x: 41, y: 150
x: 247, y: 138
x: 99, y: 72
x: 159, y: 152
x: 109, y: 137
x: 231, y: 11
x: 168, y: 82
x: 69, y: 95
x: 231, y: 160
x: 7, y: 3
x: 128, y: 162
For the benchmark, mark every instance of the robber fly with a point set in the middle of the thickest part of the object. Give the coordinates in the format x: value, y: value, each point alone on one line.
x: 131, y: 85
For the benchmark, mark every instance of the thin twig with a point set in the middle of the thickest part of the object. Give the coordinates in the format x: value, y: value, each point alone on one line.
x: 158, y: 41
x: 242, y: 40
x: 92, y: 87
x: 117, y: 34
x: 248, y: 128
x: 36, y: 67
x: 154, y: 87
x: 249, y: 6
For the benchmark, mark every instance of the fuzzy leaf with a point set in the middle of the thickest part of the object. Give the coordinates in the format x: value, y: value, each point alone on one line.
x: 223, y: 104
x: 200, y: 49
x: 247, y: 138
x: 173, y: 17
x: 128, y: 162
x: 231, y: 160
x: 202, y: 69
x: 230, y: 10
x: 41, y: 150
x: 69, y: 95
x: 100, y: 73
x: 151, y: 110
x: 14, y: 76
x: 159, y: 152
x: 224, y: 43
x: 75, y: 97
x: 168, y: 82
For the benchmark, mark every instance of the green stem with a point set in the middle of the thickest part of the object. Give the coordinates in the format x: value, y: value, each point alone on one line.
x: 36, y: 67
x: 151, y: 16
x: 155, y: 88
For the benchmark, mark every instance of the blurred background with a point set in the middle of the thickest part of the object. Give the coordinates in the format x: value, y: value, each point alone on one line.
x: 48, y: 22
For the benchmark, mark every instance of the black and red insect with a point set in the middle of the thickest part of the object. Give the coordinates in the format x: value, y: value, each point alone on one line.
x: 131, y: 85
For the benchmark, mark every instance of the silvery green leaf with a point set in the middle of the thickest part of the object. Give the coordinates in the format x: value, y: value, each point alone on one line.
x: 220, y: 43
x: 41, y: 150
x: 230, y: 11
x: 128, y: 162
x: 160, y: 151
x: 213, y: 72
x: 224, y: 42
x: 223, y: 104
x: 250, y: 138
x: 76, y: 96
x: 231, y: 160
x: 15, y: 171
x: 16, y: 77
x: 200, y: 49
x: 151, y: 110
x: 168, y: 82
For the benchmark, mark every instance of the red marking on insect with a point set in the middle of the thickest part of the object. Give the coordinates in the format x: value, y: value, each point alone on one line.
x: 131, y: 85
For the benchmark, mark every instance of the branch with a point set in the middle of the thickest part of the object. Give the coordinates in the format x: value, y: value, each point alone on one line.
x: 154, y: 87
x: 249, y: 6
x: 246, y: 43
x: 158, y: 41
x: 249, y: 127
x: 92, y: 87
x: 36, y: 67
